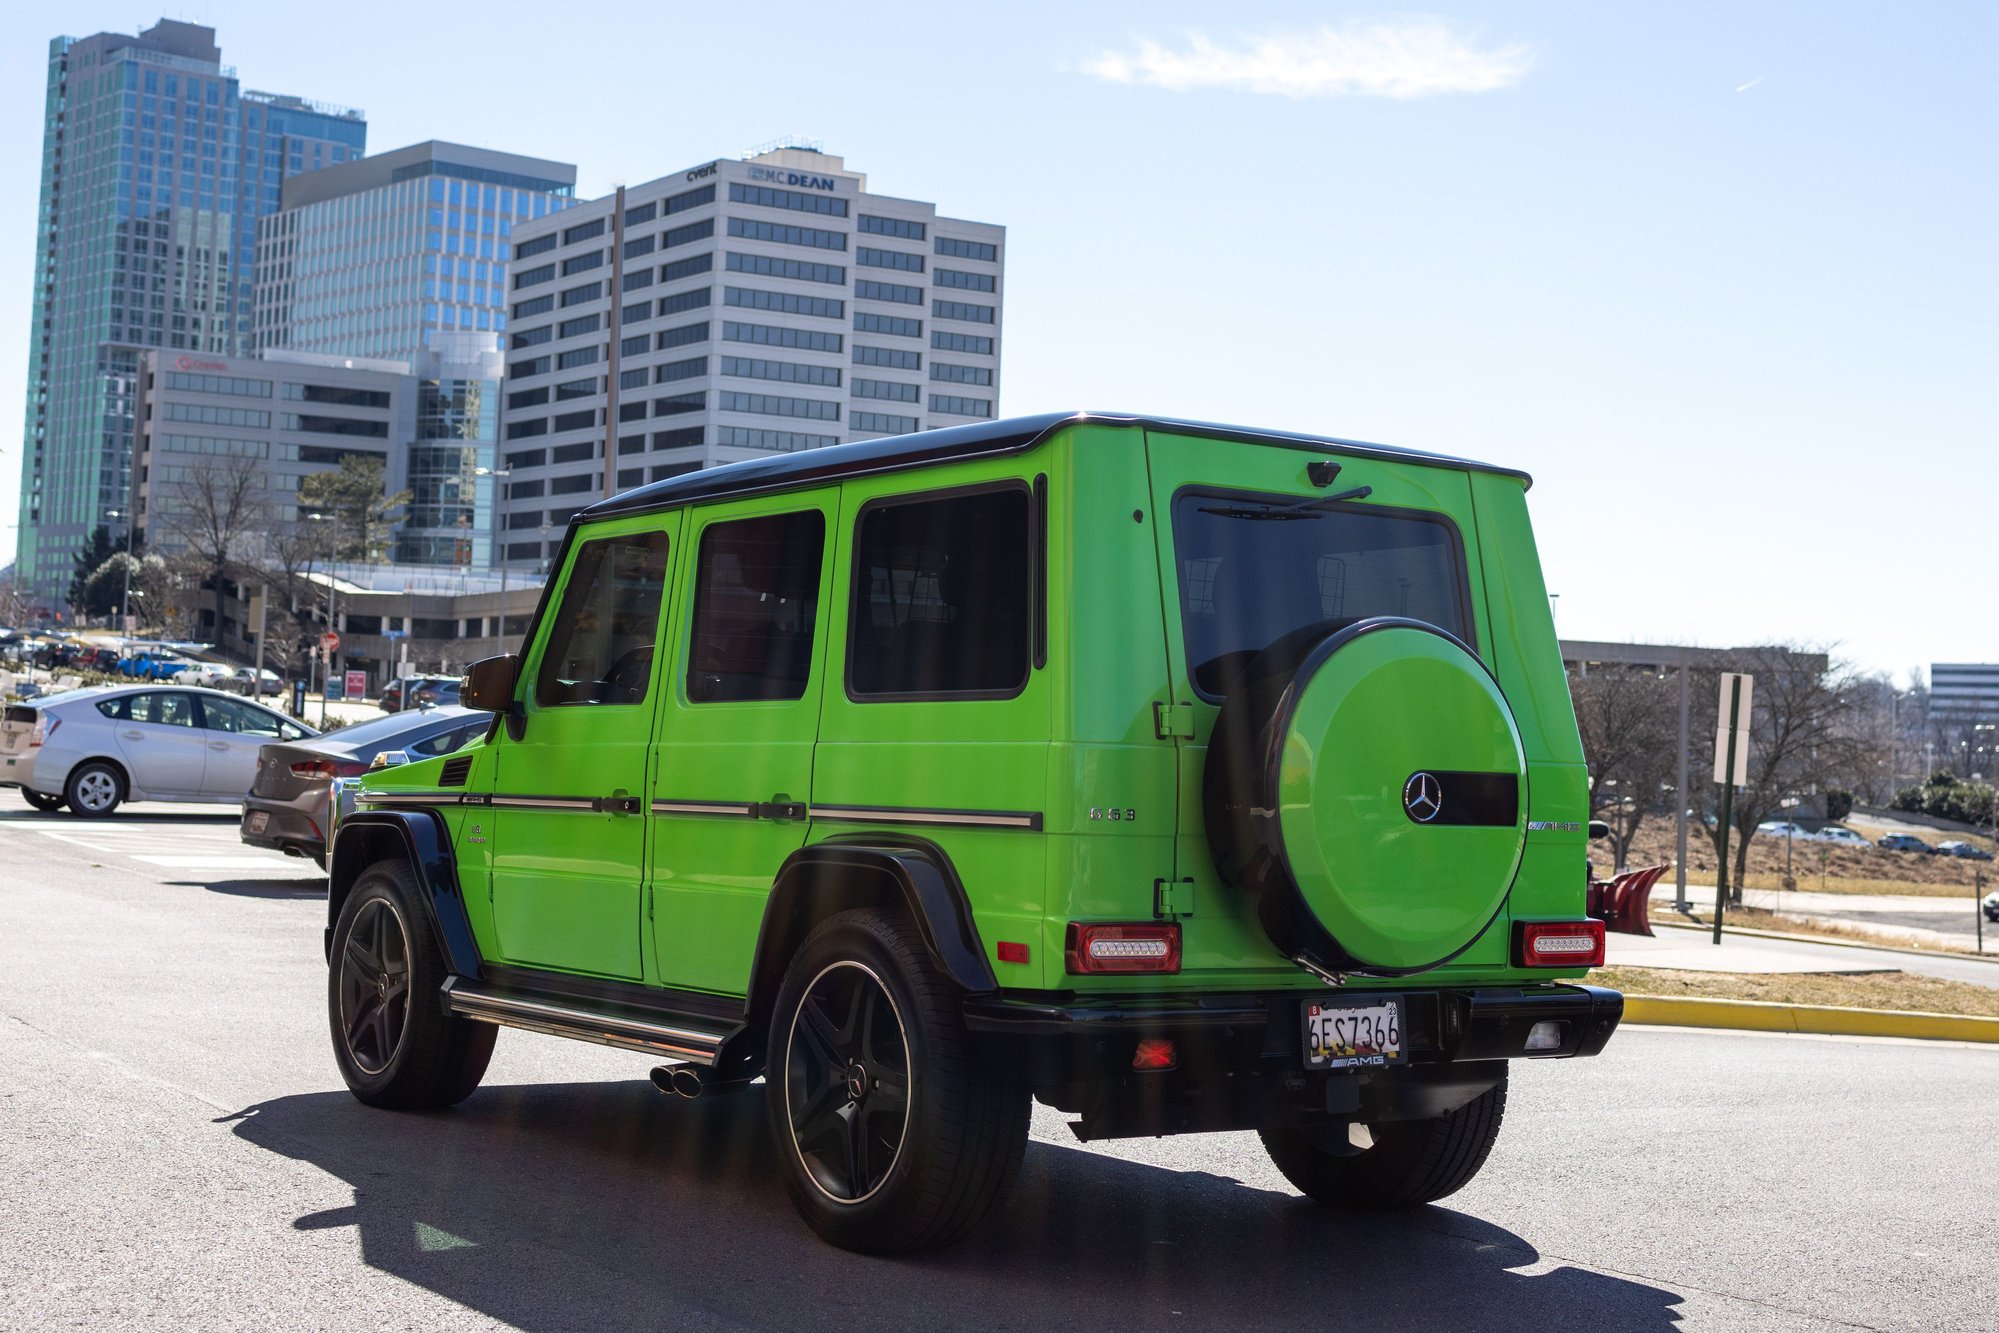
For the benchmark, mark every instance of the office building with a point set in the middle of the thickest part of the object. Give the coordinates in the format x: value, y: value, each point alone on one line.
x: 403, y: 256
x: 254, y: 428
x: 155, y: 165
x: 1964, y: 690
x: 733, y: 310
x: 378, y: 257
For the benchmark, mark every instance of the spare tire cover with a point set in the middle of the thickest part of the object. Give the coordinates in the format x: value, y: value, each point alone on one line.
x: 1371, y: 790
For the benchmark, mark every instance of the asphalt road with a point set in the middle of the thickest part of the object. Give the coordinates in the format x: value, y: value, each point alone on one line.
x: 178, y: 1151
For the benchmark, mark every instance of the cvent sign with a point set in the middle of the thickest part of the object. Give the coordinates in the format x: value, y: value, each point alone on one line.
x: 797, y: 179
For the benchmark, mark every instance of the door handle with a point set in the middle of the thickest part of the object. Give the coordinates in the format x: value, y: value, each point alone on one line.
x: 131, y: 735
x: 218, y: 745
x: 778, y: 807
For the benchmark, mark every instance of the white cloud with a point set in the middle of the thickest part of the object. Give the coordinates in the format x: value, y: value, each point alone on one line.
x: 1410, y: 58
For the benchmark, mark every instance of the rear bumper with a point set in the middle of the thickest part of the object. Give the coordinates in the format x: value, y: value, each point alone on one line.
x: 286, y: 828
x: 1239, y: 1059
x: 1446, y: 1025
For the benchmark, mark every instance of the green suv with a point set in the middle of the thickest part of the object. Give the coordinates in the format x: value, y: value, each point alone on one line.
x: 1182, y: 777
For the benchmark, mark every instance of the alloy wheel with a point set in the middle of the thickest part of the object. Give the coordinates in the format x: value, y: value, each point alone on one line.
x: 95, y: 791
x: 375, y: 985
x: 847, y: 1082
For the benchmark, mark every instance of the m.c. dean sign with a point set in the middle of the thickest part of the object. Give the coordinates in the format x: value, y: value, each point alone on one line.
x: 797, y: 179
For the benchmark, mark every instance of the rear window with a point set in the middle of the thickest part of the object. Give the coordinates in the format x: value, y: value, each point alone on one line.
x: 1255, y: 568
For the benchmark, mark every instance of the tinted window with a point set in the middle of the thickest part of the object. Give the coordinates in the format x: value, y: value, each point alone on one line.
x: 1254, y: 569
x: 447, y: 741
x: 600, y: 646
x: 755, y: 597
x: 941, y: 597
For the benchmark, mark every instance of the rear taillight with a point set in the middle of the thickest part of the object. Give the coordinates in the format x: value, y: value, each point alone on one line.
x: 328, y: 768
x: 45, y: 727
x: 1558, y: 944
x: 1098, y: 948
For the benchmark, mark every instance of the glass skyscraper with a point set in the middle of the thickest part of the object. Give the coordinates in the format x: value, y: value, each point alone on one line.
x: 155, y: 166
x: 403, y: 256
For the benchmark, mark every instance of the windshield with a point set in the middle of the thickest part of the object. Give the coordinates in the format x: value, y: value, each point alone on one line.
x: 1256, y: 568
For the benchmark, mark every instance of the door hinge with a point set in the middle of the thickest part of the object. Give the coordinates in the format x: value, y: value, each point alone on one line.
x: 1172, y: 897
x: 1172, y: 721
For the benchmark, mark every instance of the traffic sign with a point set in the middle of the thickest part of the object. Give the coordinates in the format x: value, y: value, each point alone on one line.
x: 1731, y: 733
x: 329, y: 641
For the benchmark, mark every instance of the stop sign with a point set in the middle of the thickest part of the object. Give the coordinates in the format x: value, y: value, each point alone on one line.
x: 329, y: 641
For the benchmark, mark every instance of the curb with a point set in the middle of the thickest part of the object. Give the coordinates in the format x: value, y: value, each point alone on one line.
x: 1752, y: 932
x: 1764, y: 1016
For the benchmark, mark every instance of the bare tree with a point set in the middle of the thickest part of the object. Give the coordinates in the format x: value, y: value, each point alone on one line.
x: 1801, y: 738
x: 1629, y: 718
x: 212, y: 514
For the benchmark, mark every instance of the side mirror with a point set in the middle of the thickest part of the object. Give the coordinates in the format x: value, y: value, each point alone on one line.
x: 488, y: 684
x: 1598, y: 829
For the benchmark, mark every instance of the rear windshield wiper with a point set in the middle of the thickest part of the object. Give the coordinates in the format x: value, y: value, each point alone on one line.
x: 1280, y: 513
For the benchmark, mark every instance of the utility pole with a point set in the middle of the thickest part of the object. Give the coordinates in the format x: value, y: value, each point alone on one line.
x: 1683, y: 791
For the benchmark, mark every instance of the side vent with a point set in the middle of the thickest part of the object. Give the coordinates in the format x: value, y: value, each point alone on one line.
x: 455, y: 771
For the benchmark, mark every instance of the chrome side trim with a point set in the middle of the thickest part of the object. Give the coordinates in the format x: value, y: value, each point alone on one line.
x: 560, y: 1020
x: 541, y: 802
x: 409, y: 797
x: 883, y: 814
x: 738, y: 809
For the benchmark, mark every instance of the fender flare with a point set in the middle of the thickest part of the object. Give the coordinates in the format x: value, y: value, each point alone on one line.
x: 421, y: 838
x: 826, y: 877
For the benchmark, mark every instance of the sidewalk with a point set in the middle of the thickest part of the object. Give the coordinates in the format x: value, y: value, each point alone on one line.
x: 1683, y: 951
x: 1940, y: 923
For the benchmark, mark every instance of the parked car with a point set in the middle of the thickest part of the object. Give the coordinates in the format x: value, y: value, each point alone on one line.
x: 1784, y: 828
x: 1840, y: 836
x: 1963, y: 850
x: 884, y: 785
x: 399, y: 693
x: 1904, y: 842
x: 287, y: 805
x: 437, y: 693
x: 93, y: 749
x: 1991, y: 905
x: 249, y: 681
x: 211, y: 675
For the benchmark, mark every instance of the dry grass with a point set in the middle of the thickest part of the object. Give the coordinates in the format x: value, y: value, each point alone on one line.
x: 1755, y: 918
x: 1847, y: 869
x: 1880, y: 990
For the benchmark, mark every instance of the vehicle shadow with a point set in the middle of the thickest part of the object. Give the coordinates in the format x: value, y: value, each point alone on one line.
x: 559, y: 1206
x: 285, y: 889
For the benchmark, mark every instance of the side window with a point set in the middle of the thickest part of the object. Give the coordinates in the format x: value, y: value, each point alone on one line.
x: 942, y: 597
x: 239, y: 718
x: 118, y: 709
x: 444, y: 742
x: 600, y: 646
x: 166, y: 708
x: 756, y: 595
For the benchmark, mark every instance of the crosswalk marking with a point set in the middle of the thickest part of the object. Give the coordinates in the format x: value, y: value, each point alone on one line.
x: 201, y: 847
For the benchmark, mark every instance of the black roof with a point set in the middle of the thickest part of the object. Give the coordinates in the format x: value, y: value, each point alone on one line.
x: 991, y: 439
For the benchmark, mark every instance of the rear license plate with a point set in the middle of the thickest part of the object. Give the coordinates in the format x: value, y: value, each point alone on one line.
x: 1360, y: 1034
x: 256, y: 820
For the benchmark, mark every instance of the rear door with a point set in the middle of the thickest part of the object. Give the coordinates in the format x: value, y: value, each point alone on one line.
x: 1240, y: 567
x: 567, y: 828
x: 732, y: 772
x: 160, y: 740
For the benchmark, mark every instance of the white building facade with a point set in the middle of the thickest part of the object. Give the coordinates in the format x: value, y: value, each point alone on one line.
x: 730, y: 311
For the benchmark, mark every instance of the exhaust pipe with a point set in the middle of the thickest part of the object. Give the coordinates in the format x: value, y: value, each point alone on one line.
x: 690, y: 1082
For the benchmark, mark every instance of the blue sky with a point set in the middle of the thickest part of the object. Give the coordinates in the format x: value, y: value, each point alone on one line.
x: 1722, y: 276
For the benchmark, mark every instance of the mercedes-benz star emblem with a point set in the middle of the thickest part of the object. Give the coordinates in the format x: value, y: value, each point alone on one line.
x: 1422, y: 797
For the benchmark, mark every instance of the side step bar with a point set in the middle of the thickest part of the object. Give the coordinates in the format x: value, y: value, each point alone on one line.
x: 689, y: 1040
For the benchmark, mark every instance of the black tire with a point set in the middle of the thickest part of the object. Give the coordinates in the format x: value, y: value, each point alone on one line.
x: 963, y: 1120
x: 95, y: 788
x: 1411, y: 1162
x: 395, y: 1044
x: 43, y: 801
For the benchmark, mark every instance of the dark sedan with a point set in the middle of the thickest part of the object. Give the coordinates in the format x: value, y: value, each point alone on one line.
x: 287, y: 806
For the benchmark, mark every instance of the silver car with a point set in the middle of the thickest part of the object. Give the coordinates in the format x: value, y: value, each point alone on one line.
x: 91, y: 750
